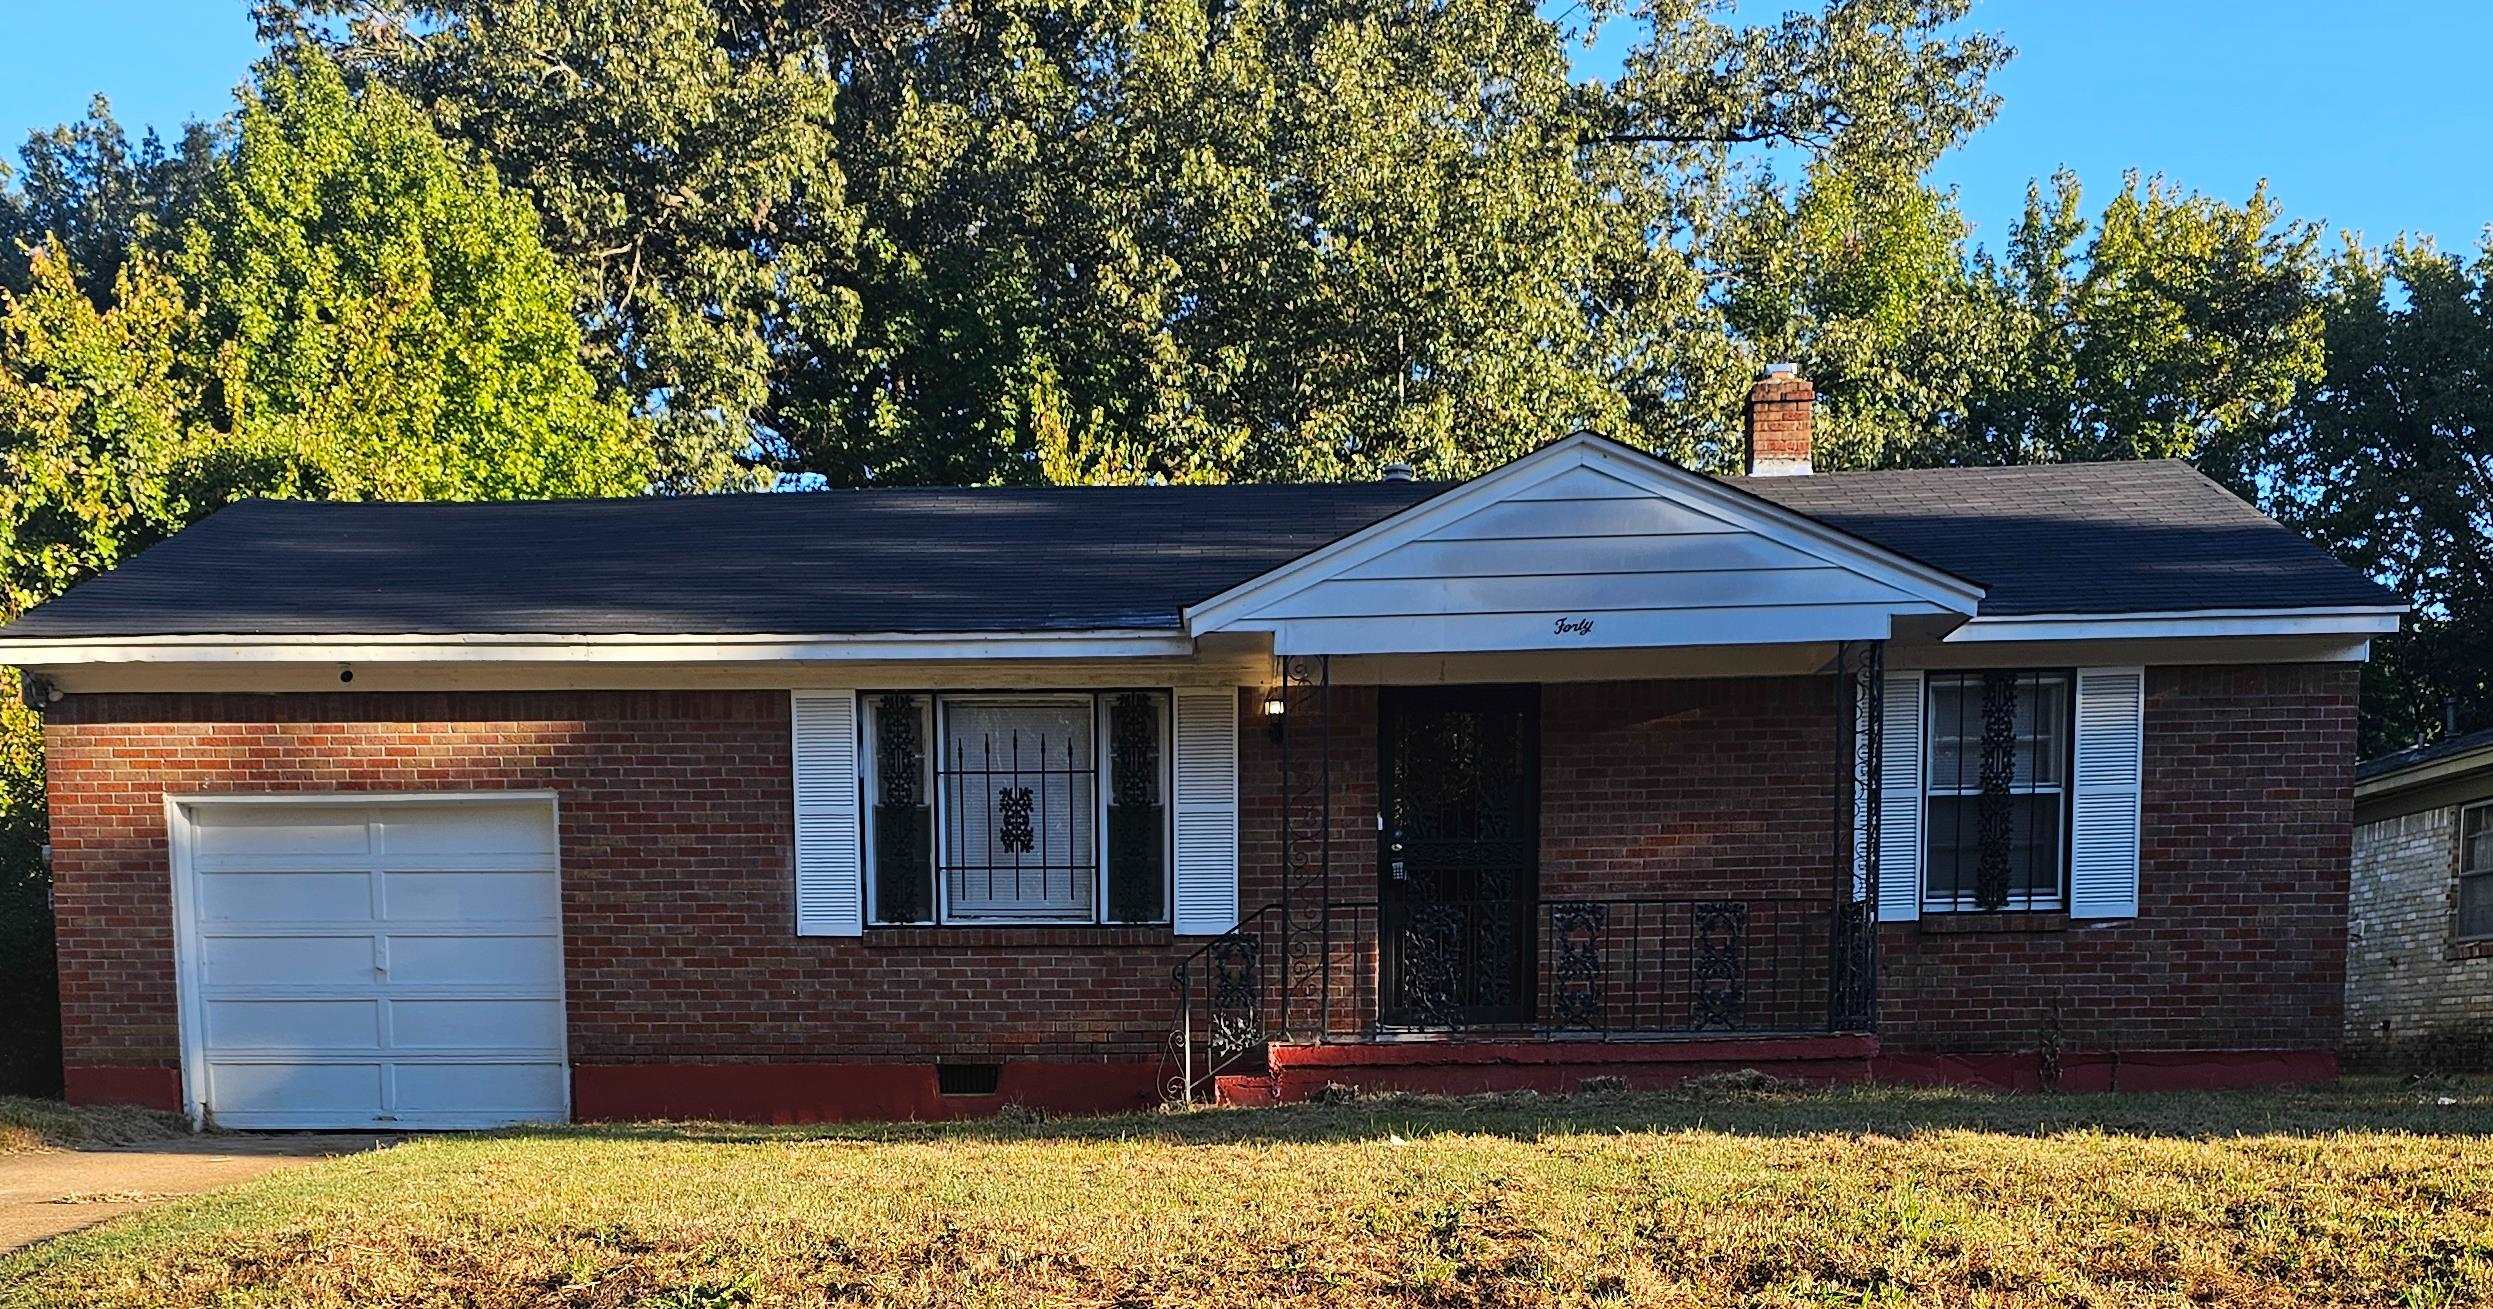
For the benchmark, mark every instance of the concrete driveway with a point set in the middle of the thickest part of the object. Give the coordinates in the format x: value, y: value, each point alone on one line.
x: 47, y: 1192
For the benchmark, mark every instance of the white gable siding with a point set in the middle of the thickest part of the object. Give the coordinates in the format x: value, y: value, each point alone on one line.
x: 1588, y: 552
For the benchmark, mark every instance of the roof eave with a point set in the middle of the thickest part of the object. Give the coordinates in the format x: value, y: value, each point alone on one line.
x: 590, y: 648
x: 2362, y: 621
x: 2398, y: 780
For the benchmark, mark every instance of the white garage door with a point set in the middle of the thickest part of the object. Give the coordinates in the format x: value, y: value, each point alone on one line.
x: 374, y: 963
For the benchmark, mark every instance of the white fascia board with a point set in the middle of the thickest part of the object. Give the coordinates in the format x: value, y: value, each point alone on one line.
x: 2378, y: 620
x: 588, y: 649
x: 1585, y: 450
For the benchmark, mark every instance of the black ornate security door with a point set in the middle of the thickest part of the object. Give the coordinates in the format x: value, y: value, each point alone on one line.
x: 1458, y: 858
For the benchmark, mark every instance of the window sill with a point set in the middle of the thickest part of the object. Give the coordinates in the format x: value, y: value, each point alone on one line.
x: 2477, y: 948
x: 1958, y: 923
x: 1044, y: 936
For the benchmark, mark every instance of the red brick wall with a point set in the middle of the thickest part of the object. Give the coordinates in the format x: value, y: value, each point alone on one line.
x: 676, y: 848
x: 2240, y: 941
x: 676, y: 879
x: 1678, y: 788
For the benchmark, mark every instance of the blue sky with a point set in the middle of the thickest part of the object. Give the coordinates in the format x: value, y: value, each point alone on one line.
x: 2369, y: 116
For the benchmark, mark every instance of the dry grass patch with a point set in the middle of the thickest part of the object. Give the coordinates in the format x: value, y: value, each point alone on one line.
x: 48, y: 1124
x: 2369, y: 1196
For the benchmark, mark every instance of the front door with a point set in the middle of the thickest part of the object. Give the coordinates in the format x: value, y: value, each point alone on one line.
x: 1458, y: 854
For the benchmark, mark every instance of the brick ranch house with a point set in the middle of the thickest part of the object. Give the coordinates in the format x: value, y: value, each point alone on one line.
x: 921, y: 802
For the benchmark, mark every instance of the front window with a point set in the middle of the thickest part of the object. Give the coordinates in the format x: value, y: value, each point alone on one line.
x: 1998, y: 770
x: 1033, y: 808
x: 2475, y: 873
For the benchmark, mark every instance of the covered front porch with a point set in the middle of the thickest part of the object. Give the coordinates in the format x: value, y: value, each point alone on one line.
x: 1510, y: 885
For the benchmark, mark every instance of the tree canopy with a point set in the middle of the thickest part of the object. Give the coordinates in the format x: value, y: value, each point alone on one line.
x: 608, y: 245
x: 1179, y: 239
x: 329, y: 302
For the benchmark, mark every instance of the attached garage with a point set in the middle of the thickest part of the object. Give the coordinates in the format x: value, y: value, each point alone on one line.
x: 371, y: 962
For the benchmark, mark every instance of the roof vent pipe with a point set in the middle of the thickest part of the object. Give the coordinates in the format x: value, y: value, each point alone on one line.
x: 1397, y: 471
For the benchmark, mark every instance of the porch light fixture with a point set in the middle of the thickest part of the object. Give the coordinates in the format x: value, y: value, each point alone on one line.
x: 1276, y: 712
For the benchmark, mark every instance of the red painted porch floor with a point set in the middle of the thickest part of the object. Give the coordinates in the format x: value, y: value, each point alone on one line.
x: 1463, y: 1066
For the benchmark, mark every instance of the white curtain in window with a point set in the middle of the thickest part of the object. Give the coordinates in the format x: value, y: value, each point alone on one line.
x: 1019, y: 807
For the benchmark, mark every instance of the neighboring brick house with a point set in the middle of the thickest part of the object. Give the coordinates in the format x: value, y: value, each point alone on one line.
x: 921, y: 802
x: 2419, y: 968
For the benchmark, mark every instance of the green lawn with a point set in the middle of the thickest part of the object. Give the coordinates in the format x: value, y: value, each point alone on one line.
x: 2371, y: 1195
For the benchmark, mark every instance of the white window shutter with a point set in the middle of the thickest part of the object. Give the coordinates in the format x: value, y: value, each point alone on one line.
x: 2103, y: 828
x: 1207, y: 810
x: 1900, y: 800
x: 830, y: 880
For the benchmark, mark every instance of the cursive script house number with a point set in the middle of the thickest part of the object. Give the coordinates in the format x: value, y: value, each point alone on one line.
x: 1573, y: 627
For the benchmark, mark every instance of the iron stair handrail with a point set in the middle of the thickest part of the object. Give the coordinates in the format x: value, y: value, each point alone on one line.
x: 1222, y: 1047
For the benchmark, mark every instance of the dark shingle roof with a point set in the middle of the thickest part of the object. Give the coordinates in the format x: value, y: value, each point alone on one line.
x: 2146, y: 536
x: 2088, y: 538
x: 2418, y: 756
x: 1000, y: 559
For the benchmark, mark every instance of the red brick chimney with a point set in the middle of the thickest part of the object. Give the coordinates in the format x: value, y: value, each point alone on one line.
x: 1779, y: 410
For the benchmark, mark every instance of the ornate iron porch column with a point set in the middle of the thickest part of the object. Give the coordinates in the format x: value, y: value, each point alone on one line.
x: 1860, y: 716
x: 1306, y: 961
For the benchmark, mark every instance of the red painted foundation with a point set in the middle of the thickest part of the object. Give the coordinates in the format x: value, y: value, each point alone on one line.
x: 831, y: 1093
x: 841, y: 1092
x: 148, y: 1088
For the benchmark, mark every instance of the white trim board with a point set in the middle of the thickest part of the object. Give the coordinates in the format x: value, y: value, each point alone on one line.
x: 2424, y: 774
x: 2365, y: 621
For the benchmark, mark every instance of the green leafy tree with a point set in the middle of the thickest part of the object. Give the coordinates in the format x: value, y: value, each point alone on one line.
x: 1862, y: 280
x: 88, y: 190
x: 374, y: 318
x: 680, y: 157
x: 92, y: 424
x: 90, y: 418
x: 330, y: 302
x: 2390, y: 465
x: 2181, y: 327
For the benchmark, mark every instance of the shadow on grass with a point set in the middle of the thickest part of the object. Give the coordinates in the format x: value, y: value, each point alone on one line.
x: 2434, y: 1109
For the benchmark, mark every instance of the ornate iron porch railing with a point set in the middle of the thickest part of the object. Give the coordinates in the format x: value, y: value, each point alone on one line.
x: 1594, y: 969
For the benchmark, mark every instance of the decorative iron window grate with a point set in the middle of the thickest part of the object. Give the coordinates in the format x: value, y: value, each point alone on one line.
x: 902, y: 831
x: 995, y: 807
x: 1997, y: 823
